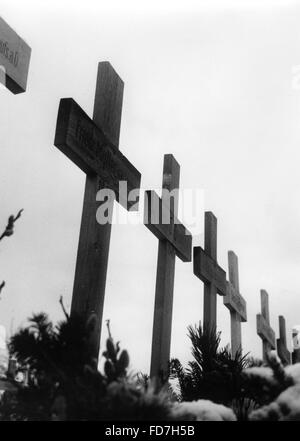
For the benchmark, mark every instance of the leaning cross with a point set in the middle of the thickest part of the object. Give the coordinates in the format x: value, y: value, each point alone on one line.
x: 282, y: 350
x: 263, y: 327
x: 235, y: 303
x: 160, y: 216
x: 207, y: 269
x: 93, y: 146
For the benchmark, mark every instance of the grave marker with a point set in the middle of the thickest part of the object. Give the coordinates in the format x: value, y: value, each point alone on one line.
x: 160, y: 217
x: 263, y: 327
x: 93, y: 146
x: 14, y: 59
x: 235, y: 303
x: 282, y: 349
x: 207, y: 269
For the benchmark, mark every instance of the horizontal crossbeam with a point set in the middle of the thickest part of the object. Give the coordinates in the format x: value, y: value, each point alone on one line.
x: 265, y: 331
x: 235, y: 302
x: 171, y: 230
x: 78, y: 137
x: 207, y: 269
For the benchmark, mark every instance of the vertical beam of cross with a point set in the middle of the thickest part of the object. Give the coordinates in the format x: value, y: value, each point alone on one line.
x: 93, y: 146
x: 174, y: 239
x: 207, y: 269
x: 267, y: 347
x: 282, y: 349
x: 264, y: 330
x: 235, y: 303
x: 94, y: 239
x: 236, y: 331
x: 210, y: 290
x: 165, y: 274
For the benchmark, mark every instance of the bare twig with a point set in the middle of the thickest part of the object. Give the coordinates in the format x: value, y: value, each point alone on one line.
x: 2, y: 286
x: 61, y: 301
x: 9, y: 230
x: 108, y: 328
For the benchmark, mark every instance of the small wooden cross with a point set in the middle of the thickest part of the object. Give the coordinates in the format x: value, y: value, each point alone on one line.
x: 263, y: 327
x: 160, y: 216
x: 235, y: 303
x: 282, y: 350
x: 93, y: 146
x: 207, y: 269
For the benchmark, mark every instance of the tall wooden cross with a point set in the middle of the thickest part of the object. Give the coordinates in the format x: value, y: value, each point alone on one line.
x: 14, y: 59
x: 160, y: 216
x: 263, y: 327
x: 235, y: 303
x: 282, y: 350
x: 93, y: 146
x: 207, y: 269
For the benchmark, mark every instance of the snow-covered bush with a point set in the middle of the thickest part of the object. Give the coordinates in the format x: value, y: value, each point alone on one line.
x: 201, y: 410
x: 277, y: 389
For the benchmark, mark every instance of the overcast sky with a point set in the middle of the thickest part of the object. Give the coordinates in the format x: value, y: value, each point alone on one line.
x: 212, y: 82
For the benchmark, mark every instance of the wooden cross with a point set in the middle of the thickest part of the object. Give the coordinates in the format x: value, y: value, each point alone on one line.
x: 282, y: 350
x: 235, y: 303
x: 263, y: 327
x: 93, y: 146
x: 14, y: 59
x: 207, y: 269
x: 160, y: 216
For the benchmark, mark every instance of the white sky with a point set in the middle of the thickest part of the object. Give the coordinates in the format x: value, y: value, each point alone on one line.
x: 210, y: 82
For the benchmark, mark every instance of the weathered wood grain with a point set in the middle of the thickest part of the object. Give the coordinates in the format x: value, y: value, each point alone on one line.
x: 160, y: 217
x: 93, y: 146
x: 173, y: 231
x: 235, y: 302
x: 82, y: 141
x: 265, y: 331
x: 282, y: 349
x: 208, y: 270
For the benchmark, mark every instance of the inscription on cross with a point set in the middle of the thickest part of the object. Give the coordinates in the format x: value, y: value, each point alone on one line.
x: 160, y: 216
x: 207, y: 269
x: 282, y: 350
x: 235, y: 303
x: 263, y: 327
x: 14, y: 59
x: 93, y: 146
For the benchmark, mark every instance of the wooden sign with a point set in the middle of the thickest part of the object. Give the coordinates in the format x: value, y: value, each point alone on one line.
x: 282, y: 350
x: 235, y: 303
x: 174, y: 239
x: 264, y: 330
x: 207, y: 269
x: 93, y: 146
x: 14, y: 59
